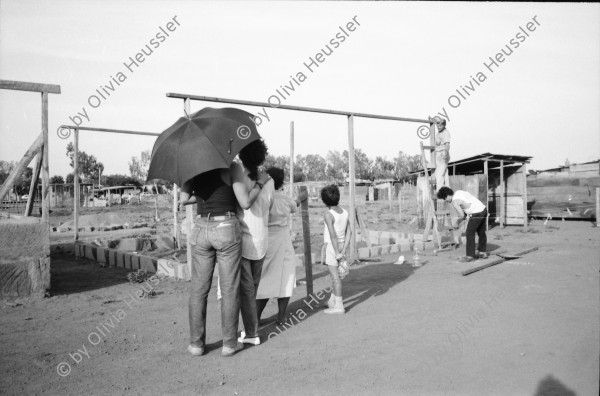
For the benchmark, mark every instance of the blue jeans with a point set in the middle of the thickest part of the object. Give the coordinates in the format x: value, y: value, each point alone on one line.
x: 250, y: 279
x: 213, y: 241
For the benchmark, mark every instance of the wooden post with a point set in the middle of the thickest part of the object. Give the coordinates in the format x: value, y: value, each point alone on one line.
x: 391, y: 194
x: 351, y: 170
x: 45, y: 161
x: 502, y: 193
x: 306, y: 237
x: 33, y: 185
x: 76, y: 184
x: 487, y: 198
x: 292, y: 159
x: 189, y: 211
x: 525, y: 218
x: 400, y: 204
x: 432, y: 150
x: 175, y: 220
x: 291, y: 169
x: 597, y: 206
x: 189, y: 218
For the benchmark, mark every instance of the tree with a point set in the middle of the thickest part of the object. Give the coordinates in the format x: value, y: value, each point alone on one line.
x: 57, y: 179
x: 71, y: 179
x: 362, y: 164
x: 89, y: 166
x: 383, y: 169
x: 120, y: 180
x: 5, y: 168
x: 138, y: 167
x: 336, y: 168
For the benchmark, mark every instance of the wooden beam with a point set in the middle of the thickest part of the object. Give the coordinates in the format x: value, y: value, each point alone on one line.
x: 306, y: 237
x: 432, y: 148
x: 352, y: 187
x: 120, y: 131
x: 45, y: 162
x: 34, y: 183
x: 498, y: 261
x: 35, y: 148
x: 297, y: 108
x: 176, y: 236
x: 29, y: 86
x: 597, y: 207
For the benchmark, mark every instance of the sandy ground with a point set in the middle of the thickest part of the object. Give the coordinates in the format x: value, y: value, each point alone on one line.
x: 526, y: 327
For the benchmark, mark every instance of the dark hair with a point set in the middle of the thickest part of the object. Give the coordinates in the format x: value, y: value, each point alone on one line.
x: 277, y: 175
x: 330, y: 195
x: 444, y: 192
x: 253, y: 156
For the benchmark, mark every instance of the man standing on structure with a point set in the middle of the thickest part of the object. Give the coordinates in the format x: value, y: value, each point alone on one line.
x: 442, y: 153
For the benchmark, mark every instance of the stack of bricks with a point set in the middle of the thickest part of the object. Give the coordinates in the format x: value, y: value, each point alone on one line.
x: 24, y: 257
x: 390, y: 242
x: 107, y: 257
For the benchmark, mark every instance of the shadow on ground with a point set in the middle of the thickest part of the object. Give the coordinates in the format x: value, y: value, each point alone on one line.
x: 70, y: 275
x: 550, y: 386
x: 363, y: 283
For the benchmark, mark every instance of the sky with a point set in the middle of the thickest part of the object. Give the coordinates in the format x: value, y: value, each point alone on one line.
x: 403, y: 59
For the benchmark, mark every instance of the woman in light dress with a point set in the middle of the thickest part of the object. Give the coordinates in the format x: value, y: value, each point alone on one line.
x: 278, y: 277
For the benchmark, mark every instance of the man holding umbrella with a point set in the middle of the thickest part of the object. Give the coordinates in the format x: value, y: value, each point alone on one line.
x: 197, y: 152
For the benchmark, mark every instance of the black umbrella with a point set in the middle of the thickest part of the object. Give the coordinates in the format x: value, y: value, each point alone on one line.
x: 209, y: 139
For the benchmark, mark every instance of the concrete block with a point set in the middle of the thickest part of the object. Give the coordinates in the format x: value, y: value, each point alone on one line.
x: 165, y: 267
x: 112, y: 258
x: 385, y: 249
x: 429, y: 245
x: 148, y: 263
x: 394, y: 249
x: 128, y: 245
x: 364, y: 253
x: 405, y: 246
x: 120, y: 259
x: 101, y: 255
x: 90, y: 252
x: 24, y: 257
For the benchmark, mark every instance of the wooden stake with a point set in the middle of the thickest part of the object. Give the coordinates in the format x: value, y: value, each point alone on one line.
x: 34, y: 183
x: 306, y: 237
x: 597, y: 206
x: 45, y: 161
x: 502, y: 193
x: 351, y: 171
x: 76, y: 184
x: 400, y: 204
x: 175, y: 219
x: 525, y: 219
x: 189, y: 218
x: 291, y: 169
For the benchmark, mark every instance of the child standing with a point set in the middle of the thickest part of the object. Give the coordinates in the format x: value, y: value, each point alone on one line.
x: 336, y: 236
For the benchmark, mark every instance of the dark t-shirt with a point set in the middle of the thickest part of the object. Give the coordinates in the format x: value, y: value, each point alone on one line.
x: 213, y: 195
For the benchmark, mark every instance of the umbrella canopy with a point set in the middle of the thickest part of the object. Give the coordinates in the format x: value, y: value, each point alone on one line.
x: 209, y: 139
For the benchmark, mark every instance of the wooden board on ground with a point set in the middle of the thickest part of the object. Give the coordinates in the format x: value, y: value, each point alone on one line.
x: 499, y: 261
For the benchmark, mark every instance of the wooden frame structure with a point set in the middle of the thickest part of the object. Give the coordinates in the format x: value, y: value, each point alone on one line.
x: 76, y: 198
x: 39, y: 148
x: 350, y: 116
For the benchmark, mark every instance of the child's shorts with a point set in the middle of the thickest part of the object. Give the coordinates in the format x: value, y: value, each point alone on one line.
x: 328, y: 254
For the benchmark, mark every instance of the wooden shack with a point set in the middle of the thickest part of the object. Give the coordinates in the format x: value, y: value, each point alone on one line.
x: 500, y: 180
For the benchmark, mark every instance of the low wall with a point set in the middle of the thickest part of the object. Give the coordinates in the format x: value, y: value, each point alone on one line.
x: 108, y: 257
x: 24, y: 257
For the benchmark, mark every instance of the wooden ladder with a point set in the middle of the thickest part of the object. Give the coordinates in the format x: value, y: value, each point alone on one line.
x: 431, y: 215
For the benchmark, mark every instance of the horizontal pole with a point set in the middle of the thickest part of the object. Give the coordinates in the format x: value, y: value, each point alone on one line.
x: 108, y: 130
x: 29, y: 86
x: 297, y: 108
